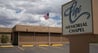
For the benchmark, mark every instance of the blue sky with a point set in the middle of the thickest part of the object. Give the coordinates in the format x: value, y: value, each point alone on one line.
x: 30, y: 12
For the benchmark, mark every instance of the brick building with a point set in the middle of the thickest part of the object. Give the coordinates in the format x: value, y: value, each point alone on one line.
x: 35, y: 35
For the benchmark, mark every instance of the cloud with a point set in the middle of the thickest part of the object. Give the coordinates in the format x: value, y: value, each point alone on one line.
x: 30, y: 12
x: 45, y: 6
x: 6, y: 17
x: 6, y: 21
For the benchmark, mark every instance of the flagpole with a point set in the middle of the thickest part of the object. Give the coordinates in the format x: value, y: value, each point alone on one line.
x: 40, y: 21
x: 46, y: 16
x: 49, y: 34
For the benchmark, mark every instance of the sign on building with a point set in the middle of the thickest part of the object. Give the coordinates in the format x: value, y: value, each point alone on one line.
x: 77, y: 17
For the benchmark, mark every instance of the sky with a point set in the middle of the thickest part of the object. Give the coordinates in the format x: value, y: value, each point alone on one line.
x: 30, y: 12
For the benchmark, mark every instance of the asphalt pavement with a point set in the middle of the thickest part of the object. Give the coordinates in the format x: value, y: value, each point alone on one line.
x: 35, y: 49
x: 10, y: 50
x: 48, y: 49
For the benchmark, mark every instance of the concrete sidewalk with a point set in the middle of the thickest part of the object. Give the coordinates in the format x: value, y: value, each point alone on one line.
x: 5, y: 45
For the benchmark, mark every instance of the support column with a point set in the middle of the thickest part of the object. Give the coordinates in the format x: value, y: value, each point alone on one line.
x: 79, y: 43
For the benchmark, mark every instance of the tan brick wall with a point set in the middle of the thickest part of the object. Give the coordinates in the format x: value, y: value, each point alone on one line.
x: 41, y: 38
x: 25, y: 38
x: 56, y: 38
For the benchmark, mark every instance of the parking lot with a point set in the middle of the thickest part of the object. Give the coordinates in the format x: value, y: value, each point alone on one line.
x: 10, y: 50
x: 48, y: 49
x: 35, y: 49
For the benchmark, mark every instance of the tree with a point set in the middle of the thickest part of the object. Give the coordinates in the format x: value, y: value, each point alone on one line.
x: 4, y: 39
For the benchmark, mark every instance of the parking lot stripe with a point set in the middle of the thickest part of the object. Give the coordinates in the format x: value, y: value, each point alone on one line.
x: 43, y: 48
x: 58, y: 47
x: 21, y: 48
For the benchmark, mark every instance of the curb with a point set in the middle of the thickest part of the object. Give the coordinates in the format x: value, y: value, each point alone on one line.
x: 43, y: 45
x: 27, y: 45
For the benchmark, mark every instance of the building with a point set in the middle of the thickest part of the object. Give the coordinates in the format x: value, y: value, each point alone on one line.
x: 34, y: 35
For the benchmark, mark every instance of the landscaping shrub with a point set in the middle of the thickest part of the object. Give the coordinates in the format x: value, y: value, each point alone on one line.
x: 4, y: 39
